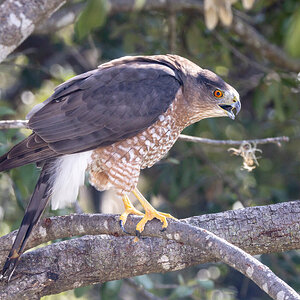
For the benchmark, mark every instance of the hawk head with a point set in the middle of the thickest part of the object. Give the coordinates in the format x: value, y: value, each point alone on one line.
x: 213, y: 97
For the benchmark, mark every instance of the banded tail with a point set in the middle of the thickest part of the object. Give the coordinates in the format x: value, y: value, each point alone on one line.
x: 60, y: 179
x: 35, y: 208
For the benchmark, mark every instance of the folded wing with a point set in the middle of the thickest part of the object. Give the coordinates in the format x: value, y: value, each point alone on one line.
x: 98, y: 108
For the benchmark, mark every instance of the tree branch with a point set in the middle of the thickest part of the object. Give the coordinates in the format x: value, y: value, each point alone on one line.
x: 194, y: 139
x: 90, y: 259
x: 18, y: 19
x: 247, y: 33
x: 9, y: 124
x: 13, y: 124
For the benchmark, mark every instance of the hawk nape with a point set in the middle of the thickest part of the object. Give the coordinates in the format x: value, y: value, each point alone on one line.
x: 113, y: 122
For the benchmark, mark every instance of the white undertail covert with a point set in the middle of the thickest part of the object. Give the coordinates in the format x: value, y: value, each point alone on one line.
x: 69, y: 174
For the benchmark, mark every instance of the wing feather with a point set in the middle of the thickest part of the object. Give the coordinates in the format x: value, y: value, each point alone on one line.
x: 106, y: 106
x: 98, y: 108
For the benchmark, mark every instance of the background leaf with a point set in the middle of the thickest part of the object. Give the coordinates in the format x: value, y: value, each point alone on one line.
x: 292, y: 41
x: 93, y: 16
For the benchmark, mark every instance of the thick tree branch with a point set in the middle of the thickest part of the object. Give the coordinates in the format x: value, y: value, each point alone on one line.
x: 19, y: 18
x: 92, y: 259
x: 247, y: 33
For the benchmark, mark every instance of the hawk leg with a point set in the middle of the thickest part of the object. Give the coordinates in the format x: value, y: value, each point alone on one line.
x: 150, y: 213
x: 129, y: 209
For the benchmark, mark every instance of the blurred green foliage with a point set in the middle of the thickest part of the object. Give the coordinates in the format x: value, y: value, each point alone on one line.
x: 194, y: 178
x: 92, y: 17
x: 292, y: 41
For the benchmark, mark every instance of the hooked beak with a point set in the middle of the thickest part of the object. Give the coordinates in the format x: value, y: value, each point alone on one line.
x: 229, y: 108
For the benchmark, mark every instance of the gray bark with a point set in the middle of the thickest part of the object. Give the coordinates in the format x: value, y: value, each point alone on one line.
x: 18, y: 19
x: 93, y: 259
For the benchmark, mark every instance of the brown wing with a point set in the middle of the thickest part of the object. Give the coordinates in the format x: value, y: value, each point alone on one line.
x: 98, y: 108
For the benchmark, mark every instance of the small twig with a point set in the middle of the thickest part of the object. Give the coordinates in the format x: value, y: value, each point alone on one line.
x: 5, y: 124
x: 275, y: 140
x: 10, y: 124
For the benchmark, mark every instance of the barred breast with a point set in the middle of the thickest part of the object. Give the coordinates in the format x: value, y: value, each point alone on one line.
x: 118, y: 165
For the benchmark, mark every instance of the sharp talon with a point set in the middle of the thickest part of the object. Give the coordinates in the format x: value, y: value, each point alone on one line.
x: 138, y: 233
x: 163, y: 229
x: 122, y: 227
x: 129, y: 209
x: 150, y: 213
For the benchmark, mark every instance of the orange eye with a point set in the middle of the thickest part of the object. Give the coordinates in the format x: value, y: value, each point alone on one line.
x: 218, y: 93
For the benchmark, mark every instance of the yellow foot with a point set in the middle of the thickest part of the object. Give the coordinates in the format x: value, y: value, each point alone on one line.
x: 129, y: 209
x: 150, y: 213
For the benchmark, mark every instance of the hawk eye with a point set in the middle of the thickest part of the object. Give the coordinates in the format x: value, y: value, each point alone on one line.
x: 218, y: 93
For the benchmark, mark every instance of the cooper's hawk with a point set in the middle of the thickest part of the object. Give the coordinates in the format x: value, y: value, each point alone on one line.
x: 113, y: 121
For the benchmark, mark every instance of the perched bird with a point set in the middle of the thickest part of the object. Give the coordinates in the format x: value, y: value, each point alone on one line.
x: 113, y: 121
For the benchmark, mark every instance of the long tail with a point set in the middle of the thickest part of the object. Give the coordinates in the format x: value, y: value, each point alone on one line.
x: 33, y: 213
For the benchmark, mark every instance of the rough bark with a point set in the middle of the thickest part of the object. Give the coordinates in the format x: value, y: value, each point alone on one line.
x: 18, y: 19
x: 91, y: 259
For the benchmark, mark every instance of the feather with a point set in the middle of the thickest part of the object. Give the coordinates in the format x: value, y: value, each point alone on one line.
x: 98, y: 108
x: 69, y: 173
x: 33, y: 213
